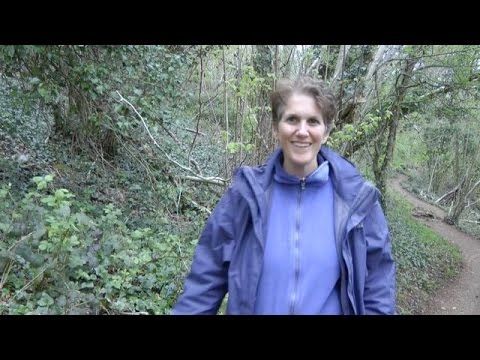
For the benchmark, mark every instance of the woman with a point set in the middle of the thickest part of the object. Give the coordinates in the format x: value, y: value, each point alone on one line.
x: 302, y: 234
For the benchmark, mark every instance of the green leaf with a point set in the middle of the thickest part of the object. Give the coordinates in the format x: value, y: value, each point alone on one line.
x: 34, y: 80
x: 77, y: 261
x: 87, y: 285
x: 83, y: 219
x: 43, y: 92
x: 61, y: 301
x: 39, y: 232
x: 3, y: 193
x: 64, y: 211
x: 74, y: 240
x: 45, y: 300
x: 10, y: 50
x: 135, y: 187
x: 137, y: 234
x: 4, y: 227
x: 49, y: 200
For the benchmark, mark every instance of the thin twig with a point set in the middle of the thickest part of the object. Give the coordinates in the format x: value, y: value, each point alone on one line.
x: 8, y: 267
x: 208, y: 211
x: 170, y: 133
x: 133, y: 313
x: 199, y: 108
x: 31, y: 281
x: 5, y: 273
x: 225, y: 109
x: 181, y: 257
x: 470, y: 204
x: 210, y: 180
x: 195, y: 164
x: 149, y: 173
x: 194, y: 131
x: 472, y: 189
x: 472, y: 221
x: 18, y: 242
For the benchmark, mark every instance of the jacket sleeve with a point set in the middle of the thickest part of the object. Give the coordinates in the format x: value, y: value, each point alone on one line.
x: 206, y: 284
x: 380, y: 284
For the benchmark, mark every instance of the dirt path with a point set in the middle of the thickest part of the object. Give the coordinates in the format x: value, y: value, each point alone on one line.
x: 462, y: 295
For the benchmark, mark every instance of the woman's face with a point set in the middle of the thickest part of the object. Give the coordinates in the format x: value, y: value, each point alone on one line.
x: 301, y: 132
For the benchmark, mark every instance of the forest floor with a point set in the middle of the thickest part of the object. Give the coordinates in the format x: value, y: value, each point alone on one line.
x: 461, y: 295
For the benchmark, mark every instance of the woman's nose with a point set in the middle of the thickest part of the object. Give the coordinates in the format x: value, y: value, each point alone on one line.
x: 302, y: 128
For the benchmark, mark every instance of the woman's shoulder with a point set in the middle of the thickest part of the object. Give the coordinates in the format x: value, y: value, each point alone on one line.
x: 336, y: 158
x: 242, y: 173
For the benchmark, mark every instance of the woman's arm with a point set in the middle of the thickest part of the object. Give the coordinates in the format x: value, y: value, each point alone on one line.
x: 207, y: 283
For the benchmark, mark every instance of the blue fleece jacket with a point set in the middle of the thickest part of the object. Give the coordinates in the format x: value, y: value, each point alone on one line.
x: 230, y: 252
x: 301, y: 270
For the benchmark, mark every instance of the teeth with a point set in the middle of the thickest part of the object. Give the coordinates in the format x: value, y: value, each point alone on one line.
x: 301, y: 145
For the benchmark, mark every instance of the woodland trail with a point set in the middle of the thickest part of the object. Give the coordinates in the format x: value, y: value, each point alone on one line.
x: 460, y: 296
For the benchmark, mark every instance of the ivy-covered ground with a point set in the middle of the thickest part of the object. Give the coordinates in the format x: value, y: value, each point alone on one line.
x: 80, y: 235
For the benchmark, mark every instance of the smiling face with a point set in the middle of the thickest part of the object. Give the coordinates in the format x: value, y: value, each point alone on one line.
x: 301, y: 132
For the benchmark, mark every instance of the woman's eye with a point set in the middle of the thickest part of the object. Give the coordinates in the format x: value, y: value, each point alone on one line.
x: 314, y: 121
x: 291, y: 119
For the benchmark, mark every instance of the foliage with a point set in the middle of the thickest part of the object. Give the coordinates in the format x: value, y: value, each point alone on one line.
x: 56, y: 259
x: 109, y: 223
x: 360, y: 131
x: 424, y: 260
x: 79, y: 83
x: 411, y: 152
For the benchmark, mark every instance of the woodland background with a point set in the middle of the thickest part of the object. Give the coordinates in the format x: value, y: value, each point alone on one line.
x: 113, y: 157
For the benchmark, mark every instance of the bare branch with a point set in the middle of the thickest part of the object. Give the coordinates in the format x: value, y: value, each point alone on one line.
x: 195, y: 131
x: 472, y: 221
x: 195, y: 164
x: 134, y: 313
x: 446, y: 194
x: 208, y: 211
x: 170, y: 133
x: 34, y: 278
x: 11, y: 248
x: 470, y: 204
x: 207, y: 180
x: 218, y: 180
x: 472, y: 189
x: 199, y: 108
x: 225, y: 99
x: 342, y: 56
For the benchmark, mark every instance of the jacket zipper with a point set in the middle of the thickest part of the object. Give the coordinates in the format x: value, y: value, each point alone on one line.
x: 296, y: 248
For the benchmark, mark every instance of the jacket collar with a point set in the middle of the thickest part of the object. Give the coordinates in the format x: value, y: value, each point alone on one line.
x: 317, y: 177
x: 347, y: 182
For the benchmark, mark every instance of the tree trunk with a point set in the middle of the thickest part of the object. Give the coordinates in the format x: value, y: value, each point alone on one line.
x: 384, y: 158
x: 370, y: 81
x: 461, y: 200
x: 336, y: 82
x: 355, y: 109
x: 262, y: 64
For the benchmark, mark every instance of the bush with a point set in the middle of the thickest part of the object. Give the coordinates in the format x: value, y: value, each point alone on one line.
x: 56, y: 259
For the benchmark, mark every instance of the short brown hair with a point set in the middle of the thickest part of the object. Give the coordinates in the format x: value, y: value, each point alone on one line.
x: 317, y: 89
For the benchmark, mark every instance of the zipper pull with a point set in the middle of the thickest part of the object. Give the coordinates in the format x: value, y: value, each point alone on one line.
x: 302, y: 183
